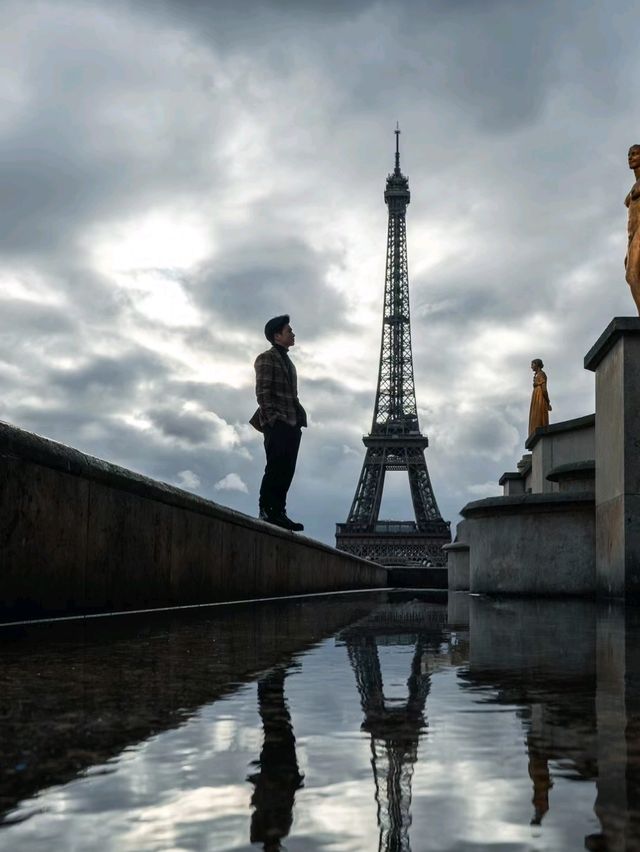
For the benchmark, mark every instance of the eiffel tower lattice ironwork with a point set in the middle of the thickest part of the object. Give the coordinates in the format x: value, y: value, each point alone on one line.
x: 395, y: 441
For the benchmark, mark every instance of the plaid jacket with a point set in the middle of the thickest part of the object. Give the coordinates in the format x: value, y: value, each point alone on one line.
x: 277, y: 394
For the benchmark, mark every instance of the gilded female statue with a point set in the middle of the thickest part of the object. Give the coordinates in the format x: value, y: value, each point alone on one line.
x: 540, y: 405
x: 632, y: 201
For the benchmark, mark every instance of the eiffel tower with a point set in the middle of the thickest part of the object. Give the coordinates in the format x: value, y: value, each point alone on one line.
x: 395, y: 441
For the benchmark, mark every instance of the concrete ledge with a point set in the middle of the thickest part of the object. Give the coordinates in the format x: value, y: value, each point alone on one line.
x: 574, y: 470
x: 527, y: 503
x: 586, y: 422
x: 455, y: 547
x: 532, y: 544
x: 515, y: 482
x: 616, y: 328
x: 510, y: 475
x: 80, y: 535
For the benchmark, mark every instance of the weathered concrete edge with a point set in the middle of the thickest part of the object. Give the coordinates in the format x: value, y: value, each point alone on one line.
x: 526, y: 503
x: 177, y: 609
x: 616, y: 328
x: 455, y: 546
x: 510, y: 475
x: 29, y: 446
x: 577, y: 470
x: 584, y: 422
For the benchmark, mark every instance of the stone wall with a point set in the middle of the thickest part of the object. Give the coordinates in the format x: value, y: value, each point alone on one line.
x: 79, y: 535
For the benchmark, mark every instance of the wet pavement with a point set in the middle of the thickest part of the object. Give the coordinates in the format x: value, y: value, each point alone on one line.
x: 395, y: 721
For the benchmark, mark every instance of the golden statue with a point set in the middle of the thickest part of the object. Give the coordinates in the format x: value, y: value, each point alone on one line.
x: 540, y: 405
x: 632, y: 260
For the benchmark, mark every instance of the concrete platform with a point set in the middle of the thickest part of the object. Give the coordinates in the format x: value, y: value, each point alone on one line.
x: 79, y: 535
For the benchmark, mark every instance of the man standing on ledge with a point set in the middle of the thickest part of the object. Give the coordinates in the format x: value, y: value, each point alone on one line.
x: 280, y: 417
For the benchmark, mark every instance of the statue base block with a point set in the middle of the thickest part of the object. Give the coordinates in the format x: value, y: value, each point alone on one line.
x: 615, y: 359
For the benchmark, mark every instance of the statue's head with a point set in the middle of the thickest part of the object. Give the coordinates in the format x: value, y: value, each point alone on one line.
x: 634, y: 157
x: 537, y: 364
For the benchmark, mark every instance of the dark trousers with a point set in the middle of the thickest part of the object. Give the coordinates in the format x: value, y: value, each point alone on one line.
x: 281, y: 444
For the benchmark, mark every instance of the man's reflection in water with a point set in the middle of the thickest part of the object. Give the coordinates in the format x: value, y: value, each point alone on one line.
x: 539, y: 774
x: 278, y: 776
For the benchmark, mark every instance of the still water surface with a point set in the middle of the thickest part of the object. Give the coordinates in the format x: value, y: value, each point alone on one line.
x: 394, y: 721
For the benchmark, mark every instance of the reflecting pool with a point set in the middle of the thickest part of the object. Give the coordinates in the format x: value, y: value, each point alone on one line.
x: 388, y: 720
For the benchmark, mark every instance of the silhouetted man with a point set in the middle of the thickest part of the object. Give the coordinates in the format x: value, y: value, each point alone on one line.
x: 280, y: 417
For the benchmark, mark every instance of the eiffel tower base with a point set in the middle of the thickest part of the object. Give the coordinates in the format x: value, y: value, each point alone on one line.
x: 397, y: 544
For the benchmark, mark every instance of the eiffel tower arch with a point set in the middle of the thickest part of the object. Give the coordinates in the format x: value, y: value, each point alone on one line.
x: 395, y: 441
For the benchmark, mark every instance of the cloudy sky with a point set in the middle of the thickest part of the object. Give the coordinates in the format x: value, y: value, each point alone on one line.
x: 174, y: 173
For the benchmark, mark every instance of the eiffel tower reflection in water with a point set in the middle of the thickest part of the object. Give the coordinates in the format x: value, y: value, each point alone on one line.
x: 395, y: 727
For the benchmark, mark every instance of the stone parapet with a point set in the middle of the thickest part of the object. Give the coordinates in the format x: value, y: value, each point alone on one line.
x: 80, y: 535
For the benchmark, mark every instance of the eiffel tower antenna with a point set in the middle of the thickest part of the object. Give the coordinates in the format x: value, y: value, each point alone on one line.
x: 395, y: 441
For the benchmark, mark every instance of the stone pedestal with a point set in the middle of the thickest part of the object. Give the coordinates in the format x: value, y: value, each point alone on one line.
x: 615, y: 359
x: 532, y: 544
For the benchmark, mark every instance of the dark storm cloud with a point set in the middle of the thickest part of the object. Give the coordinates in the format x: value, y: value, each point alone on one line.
x: 190, y: 427
x: 228, y: 23
x: 266, y: 278
x: 115, y: 376
x: 22, y: 318
x: 236, y: 404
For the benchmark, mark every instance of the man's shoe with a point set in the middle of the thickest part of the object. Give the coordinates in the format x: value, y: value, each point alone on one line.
x: 266, y: 515
x: 279, y: 519
x: 286, y: 523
